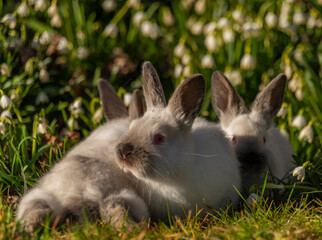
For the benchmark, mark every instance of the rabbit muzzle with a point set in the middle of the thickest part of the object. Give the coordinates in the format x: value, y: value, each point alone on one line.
x: 125, y: 150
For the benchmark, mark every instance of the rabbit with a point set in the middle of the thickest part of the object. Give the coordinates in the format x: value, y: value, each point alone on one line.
x: 259, y: 146
x: 88, y: 178
x: 178, y: 162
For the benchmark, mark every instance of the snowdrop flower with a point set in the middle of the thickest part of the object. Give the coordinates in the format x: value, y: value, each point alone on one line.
x: 40, y: 5
x: 45, y: 38
x: 55, y: 21
x: 299, y: 94
x: 253, y: 198
x: 62, y: 46
x: 43, y: 76
x: 76, y: 108
x: 5, y: 115
x: 271, y: 20
x: 138, y: 18
x: 251, y: 29
x: 179, y: 50
x: 9, y: 20
x: 42, y: 98
x: 168, y: 18
x: 298, y: 55
x: 223, y: 23
x: 52, y: 10
x: 306, y: 134
x: 149, y: 29
x: 23, y: 10
x: 42, y: 126
x: 109, y: 5
x: 178, y: 70
x: 294, y: 83
x: 299, y: 172
x: 111, y: 30
x: 288, y: 71
x: 186, y: 58
x: 311, y: 22
x: 72, y: 123
x: 133, y: 3
x: 127, y: 98
x: 299, y: 18
x: 283, y: 22
x: 211, y: 43
x: 2, y: 128
x: 228, y: 35
x: 282, y: 112
x: 299, y: 121
x: 238, y: 16
x: 5, y: 101
x: 207, y: 61
x: 196, y: 28
x: 5, y: 69
x: 98, y: 115
x: 247, y: 62
x: 186, y: 72
x: 234, y: 77
x: 82, y: 53
x: 209, y: 28
x: 200, y: 6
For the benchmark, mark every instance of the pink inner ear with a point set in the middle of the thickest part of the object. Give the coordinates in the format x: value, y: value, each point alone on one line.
x: 234, y: 140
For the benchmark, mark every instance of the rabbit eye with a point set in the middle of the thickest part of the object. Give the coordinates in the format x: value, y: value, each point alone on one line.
x: 264, y: 140
x: 158, y: 139
x: 234, y: 140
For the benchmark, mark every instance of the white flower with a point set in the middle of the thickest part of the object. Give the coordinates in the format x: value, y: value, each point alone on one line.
x: 286, y: 8
x: 253, y: 198
x: 111, y: 30
x: 55, y: 21
x: 76, y: 108
x: 311, y: 22
x: 211, y: 43
x: 298, y: 55
x: 186, y: 4
x: 288, y: 71
x: 283, y: 22
x: 238, y: 16
x: 299, y: 121
x: 43, y: 76
x: 234, y: 77
x: 40, y: 5
x: 271, y: 20
x: 6, y: 114
x: 196, y: 28
x: 178, y: 70
x: 5, y: 69
x: 223, y: 23
x: 42, y: 126
x: 80, y: 35
x: 186, y: 72
x: 62, y: 46
x: 251, y: 29
x: 2, y: 128
x: 98, y: 115
x: 285, y: 134
x: 9, y: 20
x: 149, y: 29
x: 127, y: 98
x: 52, y: 10
x: 23, y: 10
x: 186, y: 58
x: 133, y: 3
x: 168, y: 18
x: 190, y: 22
x: 247, y: 62
x: 209, y: 28
x: 200, y: 6
x: 306, y: 134
x: 5, y: 101
x: 72, y: 123
x: 42, y: 98
x: 179, y: 50
x: 109, y: 5
x: 82, y: 53
x: 299, y: 172
x: 299, y: 94
x: 299, y: 18
x: 138, y: 18
x: 228, y: 35
x: 45, y: 38
x: 294, y: 84
x: 282, y: 112
x: 207, y: 61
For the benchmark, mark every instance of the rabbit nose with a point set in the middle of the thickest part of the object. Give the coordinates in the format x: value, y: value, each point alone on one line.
x: 125, y: 150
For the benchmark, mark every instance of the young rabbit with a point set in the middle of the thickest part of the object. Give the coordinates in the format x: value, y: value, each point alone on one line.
x: 178, y: 165
x: 259, y: 146
x: 88, y: 179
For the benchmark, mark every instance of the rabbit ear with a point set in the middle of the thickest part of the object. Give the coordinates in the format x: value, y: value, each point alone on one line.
x: 225, y: 99
x: 187, y: 100
x: 136, y: 108
x: 113, y: 106
x: 268, y: 102
x: 152, y: 88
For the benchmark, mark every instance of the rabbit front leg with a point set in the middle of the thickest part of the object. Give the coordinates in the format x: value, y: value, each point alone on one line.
x: 122, y: 206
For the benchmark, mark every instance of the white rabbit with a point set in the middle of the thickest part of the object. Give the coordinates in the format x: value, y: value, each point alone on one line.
x: 88, y: 178
x: 178, y: 166
x: 259, y: 146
